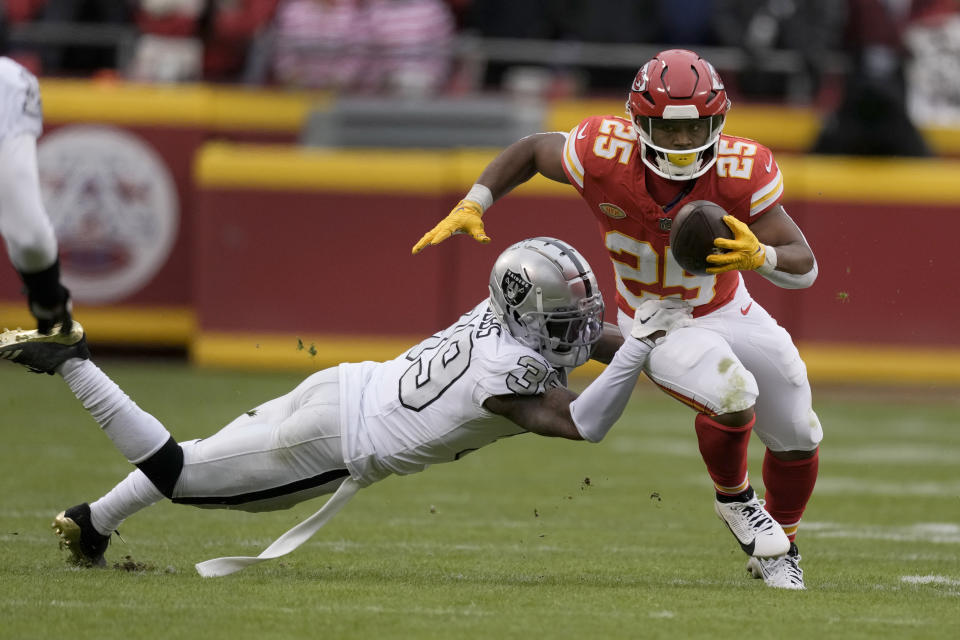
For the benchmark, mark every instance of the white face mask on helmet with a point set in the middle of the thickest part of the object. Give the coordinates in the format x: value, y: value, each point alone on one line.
x: 545, y: 293
x: 678, y: 88
x: 679, y: 164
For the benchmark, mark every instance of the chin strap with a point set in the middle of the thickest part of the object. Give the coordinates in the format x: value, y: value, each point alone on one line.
x: 288, y: 541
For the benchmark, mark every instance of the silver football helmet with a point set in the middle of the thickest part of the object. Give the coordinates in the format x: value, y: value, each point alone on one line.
x: 546, y: 294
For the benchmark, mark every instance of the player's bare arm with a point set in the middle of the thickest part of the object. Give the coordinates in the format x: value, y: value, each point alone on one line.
x: 550, y: 414
x: 758, y: 247
x: 605, y: 348
x: 560, y: 412
x: 777, y: 229
x: 538, y: 153
x: 547, y: 414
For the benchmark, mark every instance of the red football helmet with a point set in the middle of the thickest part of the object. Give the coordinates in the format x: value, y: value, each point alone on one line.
x: 678, y: 96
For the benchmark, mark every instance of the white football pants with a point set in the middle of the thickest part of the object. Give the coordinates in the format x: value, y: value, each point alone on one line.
x: 283, y: 452
x: 735, y: 358
x: 26, y: 229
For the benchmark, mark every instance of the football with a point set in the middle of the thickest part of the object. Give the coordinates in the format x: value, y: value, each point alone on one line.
x: 692, y: 232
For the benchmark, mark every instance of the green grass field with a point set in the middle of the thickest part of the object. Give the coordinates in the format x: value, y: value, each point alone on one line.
x: 529, y: 538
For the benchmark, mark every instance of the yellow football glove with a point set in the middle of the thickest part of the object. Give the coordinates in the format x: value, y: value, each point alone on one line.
x: 743, y: 253
x: 465, y: 218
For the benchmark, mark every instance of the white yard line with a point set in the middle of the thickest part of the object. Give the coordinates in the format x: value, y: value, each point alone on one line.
x: 892, y: 453
x: 930, y: 532
x: 930, y: 580
x: 903, y: 622
x: 158, y: 606
x: 832, y: 484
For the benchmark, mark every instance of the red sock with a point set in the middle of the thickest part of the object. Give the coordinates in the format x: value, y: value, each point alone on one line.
x: 724, y: 451
x: 789, y: 486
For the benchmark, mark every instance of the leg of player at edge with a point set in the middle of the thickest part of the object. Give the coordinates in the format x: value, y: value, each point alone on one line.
x: 788, y: 478
x: 741, y: 386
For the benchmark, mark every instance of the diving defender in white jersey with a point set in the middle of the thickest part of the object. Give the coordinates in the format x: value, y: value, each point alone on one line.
x: 24, y: 224
x: 357, y: 423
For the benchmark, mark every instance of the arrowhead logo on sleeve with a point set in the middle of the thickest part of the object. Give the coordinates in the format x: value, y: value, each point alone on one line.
x: 612, y: 211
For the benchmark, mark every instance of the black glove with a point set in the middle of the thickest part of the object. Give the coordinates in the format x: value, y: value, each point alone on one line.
x: 49, y: 300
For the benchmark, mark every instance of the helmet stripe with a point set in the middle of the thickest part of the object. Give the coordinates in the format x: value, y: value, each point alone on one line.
x: 582, y: 271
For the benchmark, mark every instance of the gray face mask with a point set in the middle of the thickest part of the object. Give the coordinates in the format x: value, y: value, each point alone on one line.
x: 546, y: 294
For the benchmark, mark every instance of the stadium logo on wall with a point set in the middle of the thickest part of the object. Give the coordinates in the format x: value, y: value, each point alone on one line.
x: 114, y: 205
x: 612, y: 211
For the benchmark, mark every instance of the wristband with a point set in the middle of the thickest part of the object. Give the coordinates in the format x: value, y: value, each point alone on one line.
x: 786, y: 280
x: 481, y: 195
x: 769, y: 261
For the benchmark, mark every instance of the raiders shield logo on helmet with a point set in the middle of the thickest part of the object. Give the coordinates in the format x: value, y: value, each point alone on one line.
x: 515, y: 288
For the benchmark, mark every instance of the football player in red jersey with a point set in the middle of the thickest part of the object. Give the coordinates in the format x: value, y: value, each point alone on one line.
x: 735, y: 365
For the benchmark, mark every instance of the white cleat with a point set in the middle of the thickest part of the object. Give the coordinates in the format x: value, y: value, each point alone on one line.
x: 782, y: 572
x: 759, y: 535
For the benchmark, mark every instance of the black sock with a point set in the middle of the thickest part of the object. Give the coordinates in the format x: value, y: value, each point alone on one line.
x: 744, y: 496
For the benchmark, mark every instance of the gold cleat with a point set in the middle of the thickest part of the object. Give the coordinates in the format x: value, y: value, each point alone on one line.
x: 43, y: 353
x: 76, y: 533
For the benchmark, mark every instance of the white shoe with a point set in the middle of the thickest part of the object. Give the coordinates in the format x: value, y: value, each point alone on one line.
x: 759, y: 534
x: 783, y: 572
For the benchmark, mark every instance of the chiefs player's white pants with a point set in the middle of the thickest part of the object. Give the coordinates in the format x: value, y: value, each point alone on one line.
x: 26, y: 229
x: 282, y: 452
x: 735, y: 358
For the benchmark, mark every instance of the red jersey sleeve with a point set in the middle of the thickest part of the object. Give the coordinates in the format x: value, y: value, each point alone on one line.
x: 767, y: 186
x: 573, y: 150
x: 748, y: 180
x: 592, y: 144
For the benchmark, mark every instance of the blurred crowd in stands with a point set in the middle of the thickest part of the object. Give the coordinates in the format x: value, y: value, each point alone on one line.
x: 417, y: 47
